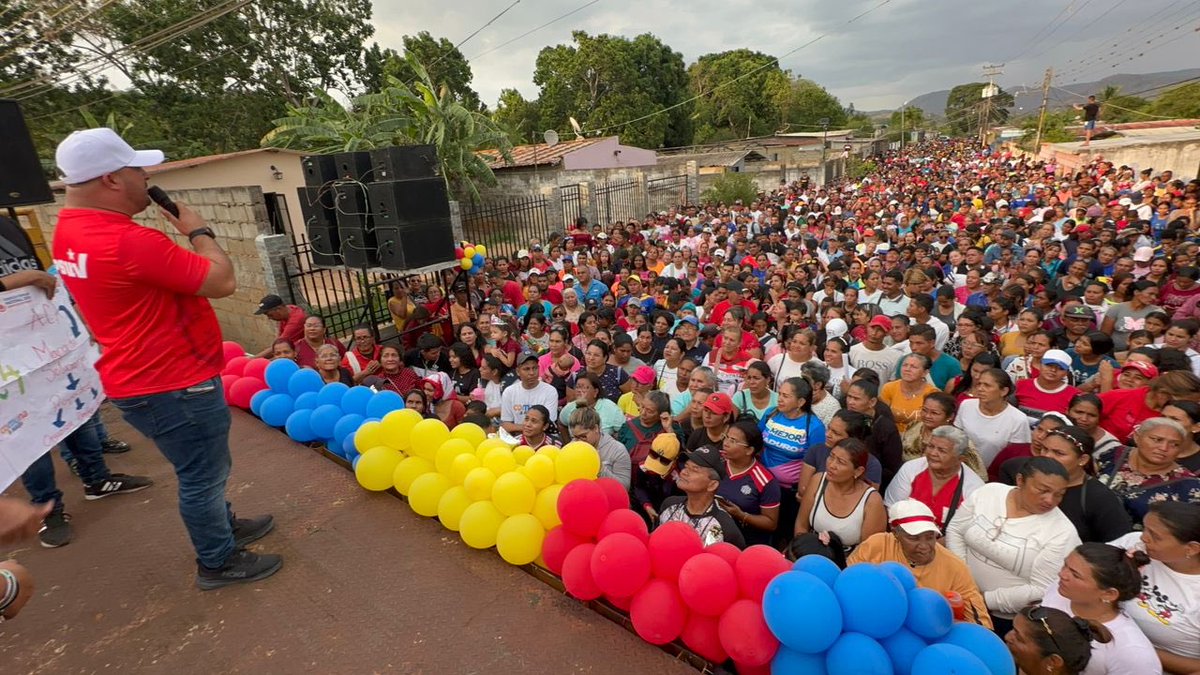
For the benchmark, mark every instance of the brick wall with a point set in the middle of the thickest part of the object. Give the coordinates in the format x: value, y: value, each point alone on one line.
x: 238, y: 215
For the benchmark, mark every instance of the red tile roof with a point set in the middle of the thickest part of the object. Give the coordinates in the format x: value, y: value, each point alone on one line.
x: 209, y: 159
x: 538, y: 154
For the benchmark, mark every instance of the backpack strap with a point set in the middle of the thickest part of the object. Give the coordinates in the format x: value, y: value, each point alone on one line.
x: 956, y: 499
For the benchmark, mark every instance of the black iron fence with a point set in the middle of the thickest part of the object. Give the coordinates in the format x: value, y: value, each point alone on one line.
x: 572, y: 202
x: 509, y: 225
x: 618, y: 202
x: 664, y: 193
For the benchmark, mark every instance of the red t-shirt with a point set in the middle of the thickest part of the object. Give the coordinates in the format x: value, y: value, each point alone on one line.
x: 292, y: 328
x: 1030, y: 395
x: 136, y: 289
x: 939, y: 502
x: 1123, y: 410
x: 513, y: 294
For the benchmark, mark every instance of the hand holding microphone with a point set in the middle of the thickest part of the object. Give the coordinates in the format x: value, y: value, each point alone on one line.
x: 183, y: 218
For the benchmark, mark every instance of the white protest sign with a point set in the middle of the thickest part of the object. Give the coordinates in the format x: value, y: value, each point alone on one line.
x: 48, y: 380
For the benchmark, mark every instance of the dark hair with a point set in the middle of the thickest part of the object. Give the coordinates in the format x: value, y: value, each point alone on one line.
x: 1085, y: 397
x: 1044, y: 466
x: 1070, y: 637
x: 810, y: 543
x: 464, y: 354
x: 923, y: 301
x: 966, y: 381
x: 1189, y: 408
x: 1101, y: 343
x: 1113, y: 568
x: 1080, y: 440
x: 283, y: 341
x: 537, y: 407
x: 754, y: 437
x: 1003, y: 380
x: 621, y: 339
x: 868, y: 388
x: 602, y: 346
x: 764, y: 369
x: 867, y: 374
x: 858, y: 425
x: 496, y: 365
x: 926, y: 362
x: 923, y: 330
x: 946, y: 401
x: 859, y: 454
x: 1182, y: 519
x: 395, y: 348
x: 802, y: 390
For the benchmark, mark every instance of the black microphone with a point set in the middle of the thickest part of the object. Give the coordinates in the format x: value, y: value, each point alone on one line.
x: 159, y: 196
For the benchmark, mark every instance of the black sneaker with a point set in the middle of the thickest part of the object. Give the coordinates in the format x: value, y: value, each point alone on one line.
x: 116, y: 484
x: 112, y: 446
x: 242, y: 567
x: 248, y: 530
x: 56, y: 530
x: 73, y: 465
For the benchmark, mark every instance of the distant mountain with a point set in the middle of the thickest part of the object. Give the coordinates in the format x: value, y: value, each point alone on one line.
x: 934, y: 102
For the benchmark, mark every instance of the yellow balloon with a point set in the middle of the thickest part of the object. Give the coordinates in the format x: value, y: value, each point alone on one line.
x: 479, y: 524
x: 427, y: 436
x: 426, y: 491
x: 500, y: 461
x: 481, y: 249
x: 487, y: 446
x: 468, y: 253
x: 451, y: 506
x: 397, y: 427
x: 407, y: 471
x: 465, y: 263
x: 522, y: 453
x: 549, y: 451
x: 469, y: 432
x: 369, y: 435
x: 478, y: 484
x: 545, y: 507
x: 513, y: 494
x: 461, y: 466
x: 576, y: 460
x: 375, y: 467
x: 448, y: 452
x: 519, y: 539
x: 540, y: 470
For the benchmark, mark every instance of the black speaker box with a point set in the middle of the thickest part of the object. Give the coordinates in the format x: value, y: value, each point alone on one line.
x: 351, y: 206
x: 358, y: 247
x: 412, y: 223
x: 404, y: 162
x: 325, y: 244
x: 320, y: 223
x: 318, y: 169
x: 21, y: 179
x: 353, y: 166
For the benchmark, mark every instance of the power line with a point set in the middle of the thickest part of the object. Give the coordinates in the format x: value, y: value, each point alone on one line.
x: 1081, y: 30
x: 1165, y: 24
x: 534, y: 30
x: 58, y: 30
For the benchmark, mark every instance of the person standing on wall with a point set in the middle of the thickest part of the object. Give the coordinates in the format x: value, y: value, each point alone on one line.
x: 146, y: 300
x: 1091, y: 113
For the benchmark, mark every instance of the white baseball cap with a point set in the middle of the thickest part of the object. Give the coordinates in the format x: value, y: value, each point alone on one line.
x: 912, y: 516
x: 91, y: 153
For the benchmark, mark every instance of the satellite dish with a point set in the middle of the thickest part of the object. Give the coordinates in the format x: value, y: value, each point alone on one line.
x: 551, y: 137
x: 578, y: 129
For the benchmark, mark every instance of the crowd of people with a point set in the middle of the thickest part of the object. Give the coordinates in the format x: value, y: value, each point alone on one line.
x: 979, y: 365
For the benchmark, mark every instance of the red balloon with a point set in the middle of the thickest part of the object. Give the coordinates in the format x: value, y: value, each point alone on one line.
x: 555, y: 547
x: 671, y: 544
x: 618, y: 496
x: 227, y: 382
x: 658, y: 613
x: 256, y: 368
x: 756, y: 567
x: 707, y: 584
x: 620, y: 564
x: 744, y: 634
x: 624, y: 521
x: 582, y: 507
x: 231, y: 349
x: 236, y: 366
x: 700, y: 634
x: 459, y: 253
x: 244, y: 389
x: 577, y: 573
x: 747, y: 669
x: 620, y: 603
x: 725, y: 550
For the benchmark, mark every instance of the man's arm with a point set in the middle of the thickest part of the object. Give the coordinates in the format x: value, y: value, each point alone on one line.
x: 220, y: 281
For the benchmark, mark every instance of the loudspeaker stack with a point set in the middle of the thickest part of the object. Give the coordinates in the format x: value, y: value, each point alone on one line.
x: 22, y: 181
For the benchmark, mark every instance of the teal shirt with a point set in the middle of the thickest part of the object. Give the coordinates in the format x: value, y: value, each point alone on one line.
x: 611, y: 417
x: 946, y: 368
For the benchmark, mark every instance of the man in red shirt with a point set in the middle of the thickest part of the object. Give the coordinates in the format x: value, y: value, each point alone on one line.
x: 146, y: 300
x: 735, y: 289
x: 290, y: 318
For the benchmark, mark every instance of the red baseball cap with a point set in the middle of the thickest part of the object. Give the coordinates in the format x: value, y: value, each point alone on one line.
x: 719, y: 403
x: 1146, y: 369
x: 881, y: 321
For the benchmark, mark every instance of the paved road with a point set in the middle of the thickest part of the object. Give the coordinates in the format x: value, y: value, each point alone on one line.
x: 367, y: 586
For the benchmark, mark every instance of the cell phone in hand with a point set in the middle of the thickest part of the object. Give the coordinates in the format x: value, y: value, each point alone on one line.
x: 159, y: 196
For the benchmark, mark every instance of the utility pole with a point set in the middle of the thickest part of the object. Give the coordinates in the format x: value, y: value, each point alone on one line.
x: 824, y: 140
x: 990, y: 90
x: 1037, y: 143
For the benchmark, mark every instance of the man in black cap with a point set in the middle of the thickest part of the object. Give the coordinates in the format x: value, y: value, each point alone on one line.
x: 734, y: 298
x: 290, y: 318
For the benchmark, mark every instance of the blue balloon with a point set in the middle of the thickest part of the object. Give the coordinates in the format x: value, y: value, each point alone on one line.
x: 278, y: 373
x: 304, y: 380
x: 324, y: 417
x: 943, y: 659
x: 345, y: 428
x: 348, y: 450
x: 276, y: 409
x: 901, y: 572
x: 355, y: 401
x: 256, y: 400
x: 903, y: 646
x: 383, y: 403
x: 787, y: 662
x: 929, y: 613
x: 476, y: 261
x: 858, y: 654
x: 873, y: 602
x: 331, y: 394
x: 820, y: 567
x: 306, y: 401
x: 802, y: 612
x: 984, y: 644
x: 354, y: 462
x: 299, y: 426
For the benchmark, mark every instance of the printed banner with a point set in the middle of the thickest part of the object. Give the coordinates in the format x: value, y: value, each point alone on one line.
x: 48, y: 380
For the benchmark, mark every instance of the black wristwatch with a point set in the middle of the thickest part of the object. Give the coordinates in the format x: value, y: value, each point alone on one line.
x: 201, y: 231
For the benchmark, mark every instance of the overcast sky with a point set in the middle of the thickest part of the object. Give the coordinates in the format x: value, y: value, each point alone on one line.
x: 898, y: 51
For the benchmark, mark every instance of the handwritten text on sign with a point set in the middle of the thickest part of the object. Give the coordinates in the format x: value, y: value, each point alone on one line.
x: 48, y: 380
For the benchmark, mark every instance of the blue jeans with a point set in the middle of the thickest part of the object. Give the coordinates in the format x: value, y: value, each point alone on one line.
x: 84, y: 445
x: 64, y: 449
x: 191, y: 429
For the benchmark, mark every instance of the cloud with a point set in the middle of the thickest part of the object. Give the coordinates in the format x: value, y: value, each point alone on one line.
x: 900, y: 50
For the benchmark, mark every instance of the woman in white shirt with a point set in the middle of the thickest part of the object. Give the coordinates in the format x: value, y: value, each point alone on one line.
x: 1095, y: 579
x: 801, y: 348
x: 988, y: 418
x: 1167, y: 608
x: 1014, y: 539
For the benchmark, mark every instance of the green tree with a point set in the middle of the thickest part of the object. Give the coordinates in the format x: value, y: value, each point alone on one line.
x: 737, y: 108
x: 446, y: 65
x: 1117, y: 108
x: 1182, y: 102
x: 399, y: 115
x: 910, y: 119
x: 861, y: 123
x: 729, y: 187
x: 606, y: 82
x: 965, y: 105
x: 518, y: 117
x: 803, y: 104
x: 1054, y: 128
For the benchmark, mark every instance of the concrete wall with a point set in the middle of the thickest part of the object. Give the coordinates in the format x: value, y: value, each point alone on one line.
x: 1182, y: 157
x: 608, y: 154
x: 524, y: 182
x: 238, y: 215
